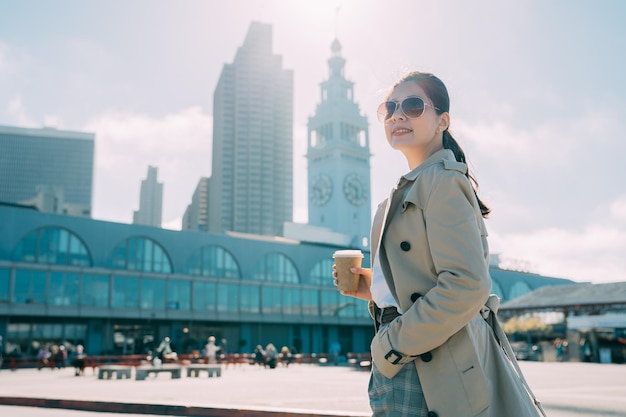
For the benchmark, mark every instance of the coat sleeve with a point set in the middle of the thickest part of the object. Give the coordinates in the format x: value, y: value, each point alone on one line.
x: 456, y: 240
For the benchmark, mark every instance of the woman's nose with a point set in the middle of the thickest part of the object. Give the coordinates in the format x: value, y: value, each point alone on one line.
x: 398, y: 114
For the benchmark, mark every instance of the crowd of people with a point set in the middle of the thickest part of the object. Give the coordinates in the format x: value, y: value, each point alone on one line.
x: 58, y: 357
x: 62, y: 355
x: 270, y: 357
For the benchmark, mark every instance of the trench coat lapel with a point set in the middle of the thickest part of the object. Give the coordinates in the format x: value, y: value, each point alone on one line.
x: 392, y: 203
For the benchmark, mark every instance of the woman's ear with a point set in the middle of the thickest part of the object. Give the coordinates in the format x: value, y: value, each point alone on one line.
x: 444, y: 121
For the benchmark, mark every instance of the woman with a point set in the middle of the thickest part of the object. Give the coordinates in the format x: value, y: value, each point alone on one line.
x: 433, y: 353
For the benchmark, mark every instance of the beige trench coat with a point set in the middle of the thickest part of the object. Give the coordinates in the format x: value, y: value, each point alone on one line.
x: 432, y: 243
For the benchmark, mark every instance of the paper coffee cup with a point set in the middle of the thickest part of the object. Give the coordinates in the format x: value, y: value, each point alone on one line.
x: 344, y: 260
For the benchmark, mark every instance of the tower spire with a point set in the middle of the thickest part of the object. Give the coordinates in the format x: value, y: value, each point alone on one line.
x: 336, y: 19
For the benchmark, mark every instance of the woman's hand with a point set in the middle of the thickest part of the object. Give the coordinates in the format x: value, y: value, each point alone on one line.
x: 365, y: 282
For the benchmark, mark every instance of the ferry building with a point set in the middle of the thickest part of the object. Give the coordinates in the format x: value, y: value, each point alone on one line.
x: 120, y: 288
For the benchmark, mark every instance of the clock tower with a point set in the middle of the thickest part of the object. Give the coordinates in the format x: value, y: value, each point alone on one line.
x: 339, y: 159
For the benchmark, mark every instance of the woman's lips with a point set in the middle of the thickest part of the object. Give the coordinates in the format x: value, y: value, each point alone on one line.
x: 400, y: 131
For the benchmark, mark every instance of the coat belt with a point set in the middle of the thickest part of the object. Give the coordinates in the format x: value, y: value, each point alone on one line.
x: 386, y: 315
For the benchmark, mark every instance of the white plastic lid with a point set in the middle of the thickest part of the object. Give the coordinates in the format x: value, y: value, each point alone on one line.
x: 348, y: 253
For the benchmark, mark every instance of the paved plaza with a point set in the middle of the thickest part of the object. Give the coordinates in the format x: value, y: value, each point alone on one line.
x: 565, y: 389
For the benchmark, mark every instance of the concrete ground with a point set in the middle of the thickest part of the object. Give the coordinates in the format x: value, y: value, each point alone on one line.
x: 565, y: 389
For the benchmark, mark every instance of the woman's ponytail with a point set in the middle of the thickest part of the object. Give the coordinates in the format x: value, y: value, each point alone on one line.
x: 450, y: 143
x: 436, y: 90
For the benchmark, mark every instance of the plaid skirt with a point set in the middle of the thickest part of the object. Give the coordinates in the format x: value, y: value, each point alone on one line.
x: 400, y: 396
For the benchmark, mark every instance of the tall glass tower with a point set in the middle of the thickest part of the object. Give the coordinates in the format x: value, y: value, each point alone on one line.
x: 339, y: 158
x: 32, y: 160
x: 251, y: 186
x: 150, y: 200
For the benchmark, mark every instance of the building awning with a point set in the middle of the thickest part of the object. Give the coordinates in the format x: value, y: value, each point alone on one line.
x: 586, y: 298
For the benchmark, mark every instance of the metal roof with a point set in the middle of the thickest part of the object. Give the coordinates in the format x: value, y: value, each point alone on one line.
x: 591, y: 297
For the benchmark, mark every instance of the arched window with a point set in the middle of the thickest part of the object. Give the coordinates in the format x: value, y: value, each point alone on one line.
x: 213, y: 261
x: 518, y: 289
x: 276, y: 267
x: 52, y: 245
x: 140, y: 254
x: 321, y: 274
x: 497, y: 290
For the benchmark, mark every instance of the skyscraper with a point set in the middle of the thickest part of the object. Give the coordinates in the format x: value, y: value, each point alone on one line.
x: 339, y: 158
x: 196, y: 215
x: 49, y: 168
x: 150, y: 200
x: 251, y: 187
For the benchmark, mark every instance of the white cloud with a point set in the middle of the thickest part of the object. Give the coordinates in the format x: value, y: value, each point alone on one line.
x: 16, y: 113
x: 593, y: 253
x: 556, y: 141
x: 618, y: 210
x: 179, y: 144
x: 173, y: 224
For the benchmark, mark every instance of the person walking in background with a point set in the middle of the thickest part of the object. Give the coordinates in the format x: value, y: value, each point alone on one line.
x: 271, y: 355
x: 57, y: 356
x: 585, y: 350
x: 43, y: 357
x: 259, y: 355
x: 559, y: 348
x: 165, y: 351
x: 285, y: 356
x: 78, y: 360
x: 211, y: 350
x: 433, y: 352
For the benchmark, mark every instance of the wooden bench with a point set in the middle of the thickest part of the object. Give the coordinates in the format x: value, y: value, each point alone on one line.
x: 107, y: 371
x: 141, y: 372
x: 195, y: 369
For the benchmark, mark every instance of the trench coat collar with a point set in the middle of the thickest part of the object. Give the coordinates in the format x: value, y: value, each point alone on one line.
x: 433, y: 159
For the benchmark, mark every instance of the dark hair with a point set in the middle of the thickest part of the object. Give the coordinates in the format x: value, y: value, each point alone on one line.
x: 436, y: 90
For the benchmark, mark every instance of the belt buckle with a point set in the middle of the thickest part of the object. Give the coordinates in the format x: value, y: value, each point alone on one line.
x: 394, y: 357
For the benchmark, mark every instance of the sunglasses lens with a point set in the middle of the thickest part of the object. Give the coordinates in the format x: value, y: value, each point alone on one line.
x: 386, y: 110
x: 413, y: 107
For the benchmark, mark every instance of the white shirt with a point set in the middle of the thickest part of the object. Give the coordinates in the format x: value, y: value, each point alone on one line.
x: 381, y: 294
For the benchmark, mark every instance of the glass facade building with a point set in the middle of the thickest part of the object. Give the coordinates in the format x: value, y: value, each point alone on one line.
x: 251, y: 185
x: 121, y: 288
x: 35, y: 158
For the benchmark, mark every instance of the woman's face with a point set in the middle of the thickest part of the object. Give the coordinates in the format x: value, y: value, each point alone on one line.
x: 416, y: 138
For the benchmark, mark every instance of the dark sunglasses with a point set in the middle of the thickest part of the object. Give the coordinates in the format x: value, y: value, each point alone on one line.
x: 411, y: 107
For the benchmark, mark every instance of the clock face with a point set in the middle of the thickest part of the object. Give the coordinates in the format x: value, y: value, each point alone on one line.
x: 321, y: 190
x: 354, y: 190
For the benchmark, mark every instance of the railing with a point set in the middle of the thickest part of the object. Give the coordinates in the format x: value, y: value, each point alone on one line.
x: 230, y: 359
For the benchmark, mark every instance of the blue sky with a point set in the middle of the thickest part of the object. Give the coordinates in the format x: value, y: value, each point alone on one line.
x: 537, y: 89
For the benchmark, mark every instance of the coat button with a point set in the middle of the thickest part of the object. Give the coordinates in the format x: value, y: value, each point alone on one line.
x: 415, y: 296
x: 426, y: 357
x: 405, y: 246
x: 432, y: 414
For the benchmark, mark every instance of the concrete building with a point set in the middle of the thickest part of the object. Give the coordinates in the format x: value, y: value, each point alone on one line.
x: 196, y: 215
x: 251, y: 187
x: 339, y: 159
x: 48, y: 168
x: 150, y: 200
